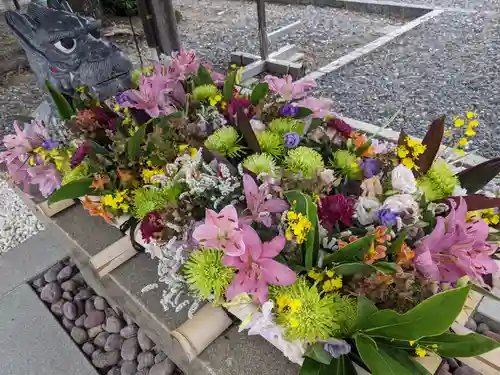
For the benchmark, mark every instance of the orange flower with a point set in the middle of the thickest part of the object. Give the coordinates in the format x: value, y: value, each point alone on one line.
x: 375, y: 253
x: 353, y: 238
x: 380, y: 235
x: 124, y: 176
x: 96, y: 209
x: 404, y: 255
x: 99, y: 182
x: 341, y: 244
x: 359, y: 140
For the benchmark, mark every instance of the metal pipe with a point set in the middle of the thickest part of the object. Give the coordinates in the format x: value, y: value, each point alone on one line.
x: 261, y: 16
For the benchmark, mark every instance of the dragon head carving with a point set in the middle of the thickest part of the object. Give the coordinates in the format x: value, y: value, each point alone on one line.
x: 66, y: 49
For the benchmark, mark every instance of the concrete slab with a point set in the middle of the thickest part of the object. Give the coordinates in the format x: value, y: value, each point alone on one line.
x: 32, y: 342
x: 488, y: 311
x: 30, y: 258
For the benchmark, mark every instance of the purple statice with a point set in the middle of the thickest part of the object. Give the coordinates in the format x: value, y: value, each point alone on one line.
x: 336, y: 348
x: 289, y: 110
x: 80, y: 153
x: 50, y: 144
x: 121, y: 98
x: 370, y: 167
x: 291, y: 139
x: 387, y: 218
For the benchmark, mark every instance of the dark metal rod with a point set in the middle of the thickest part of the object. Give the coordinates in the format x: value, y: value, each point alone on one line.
x: 261, y: 16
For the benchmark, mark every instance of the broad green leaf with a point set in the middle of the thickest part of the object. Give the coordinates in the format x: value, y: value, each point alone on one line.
x: 350, y: 269
x: 303, y: 112
x: 316, y: 352
x: 163, y: 121
x: 203, y: 77
x: 354, y: 251
x: 382, y: 362
x: 340, y: 366
x: 97, y: 148
x: 403, y: 358
x: 428, y: 318
x: 259, y: 92
x: 398, y: 242
x: 310, y: 367
x: 385, y: 267
x: 64, y: 109
x: 366, y: 308
x: 452, y: 345
x: 134, y: 143
x: 72, y: 190
x: 304, y: 204
x: 227, y: 91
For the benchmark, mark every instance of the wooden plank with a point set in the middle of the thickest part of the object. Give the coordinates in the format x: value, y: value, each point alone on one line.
x: 113, y: 256
x: 50, y: 210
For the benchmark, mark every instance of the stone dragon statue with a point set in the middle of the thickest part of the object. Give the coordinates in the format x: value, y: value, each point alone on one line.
x: 66, y: 49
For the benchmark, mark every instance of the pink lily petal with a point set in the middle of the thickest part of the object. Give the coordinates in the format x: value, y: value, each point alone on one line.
x: 230, y: 261
x: 252, y: 241
x: 275, y: 205
x: 251, y: 193
x: 273, y: 248
x: 241, y: 283
x: 276, y: 273
x: 205, y: 232
x: 234, y: 246
x: 227, y: 218
x: 261, y: 292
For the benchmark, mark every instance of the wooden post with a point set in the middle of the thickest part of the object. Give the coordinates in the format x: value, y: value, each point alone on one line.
x: 165, y: 26
x: 261, y: 16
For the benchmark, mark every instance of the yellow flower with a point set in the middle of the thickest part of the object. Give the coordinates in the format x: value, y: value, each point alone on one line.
x: 434, y: 346
x: 218, y: 98
x: 317, y: 276
x: 420, y: 352
x: 109, y: 200
x: 447, y: 132
x: 463, y: 141
x: 299, y: 225
x: 288, y: 234
x: 473, y: 123
x: 294, y: 304
x: 233, y: 66
x: 470, y: 133
x: 282, y: 302
x: 419, y: 149
x: 459, y: 122
x: 411, y: 342
x: 460, y: 152
x: 411, y: 142
x: 117, y: 107
x: 471, y: 115
x: 408, y: 163
x: 495, y: 219
x: 330, y: 273
x: 293, y: 322
x: 332, y: 284
x: 402, y: 152
x: 126, y: 110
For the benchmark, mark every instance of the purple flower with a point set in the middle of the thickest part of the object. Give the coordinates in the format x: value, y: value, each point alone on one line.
x: 291, y: 139
x: 387, y: 218
x: 337, y: 348
x: 50, y: 144
x: 370, y: 167
x: 289, y: 110
x: 121, y: 98
x: 80, y: 153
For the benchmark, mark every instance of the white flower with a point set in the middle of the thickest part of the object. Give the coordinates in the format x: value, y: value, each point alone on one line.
x: 257, y: 125
x: 371, y: 187
x: 401, y: 203
x: 459, y: 191
x: 366, y: 208
x: 403, y: 180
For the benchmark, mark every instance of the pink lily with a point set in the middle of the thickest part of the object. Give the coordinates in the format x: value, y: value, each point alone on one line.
x: 25, y: 140
x: 456, y: 248
x: 258, y: 204
x: 321, y: 107
x: 257, y: 268
x: 221, y: 231
x: 46, y: 177
x: 288, y: 89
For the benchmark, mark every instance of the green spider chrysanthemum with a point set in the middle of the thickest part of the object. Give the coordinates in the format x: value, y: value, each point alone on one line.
x: 80, y: 171
x: 439, y: 181
x: 347, y: 163
x: 206, y: 275
x: 304, y: 160
x: 271, y: 143
x: 225, y: 142
x: 308, y: 314
x: 260, y: 163
x: 282, y: 126
x: 146, y: 199
x: 204, y: 92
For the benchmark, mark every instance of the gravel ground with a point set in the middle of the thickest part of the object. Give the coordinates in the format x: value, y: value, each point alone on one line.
x: 462, y: 4
x: 217, y: 28
x: 445, y: 66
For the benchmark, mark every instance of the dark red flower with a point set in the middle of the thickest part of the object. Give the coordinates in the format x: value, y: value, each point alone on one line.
x: 79, y: 154
x: 335, y: 208
x: 151, y: 226
x: 234, y: 104
x: 341, y: 126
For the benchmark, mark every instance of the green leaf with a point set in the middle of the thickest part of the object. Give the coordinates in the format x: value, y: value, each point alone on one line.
x: 382, y: 360
x: 354, y: 251
x: 203, y: 77
x: 303, y: 112
x: 398, y: 242
x: 366, y: 308
x: 72, y: 190
x: 428, y: 318
x: 385, y: 267
x: 310, y: 367
x: 134, y: 143
x: 361, y: 150
x: 64, y: 109
x: 305, y: 205
x: 452, y: 345
x: 227, y: 91
x: 476, y: 177
x: 259, y: 92
x: 316, y: 352
x: 340, y: 366
x: 350, y: 269
x: 97, y: 148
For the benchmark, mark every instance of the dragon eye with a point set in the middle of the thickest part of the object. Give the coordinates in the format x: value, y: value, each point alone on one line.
x: 66, y: 45
x: 95, y: 33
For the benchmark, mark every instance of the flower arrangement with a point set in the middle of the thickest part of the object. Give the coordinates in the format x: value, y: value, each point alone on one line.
x: 348, y: 245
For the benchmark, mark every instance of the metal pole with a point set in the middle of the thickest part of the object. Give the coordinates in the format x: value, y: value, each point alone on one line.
x: 261, y: 16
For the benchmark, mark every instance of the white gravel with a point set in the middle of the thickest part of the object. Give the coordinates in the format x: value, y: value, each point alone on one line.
x: 17, y: 221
